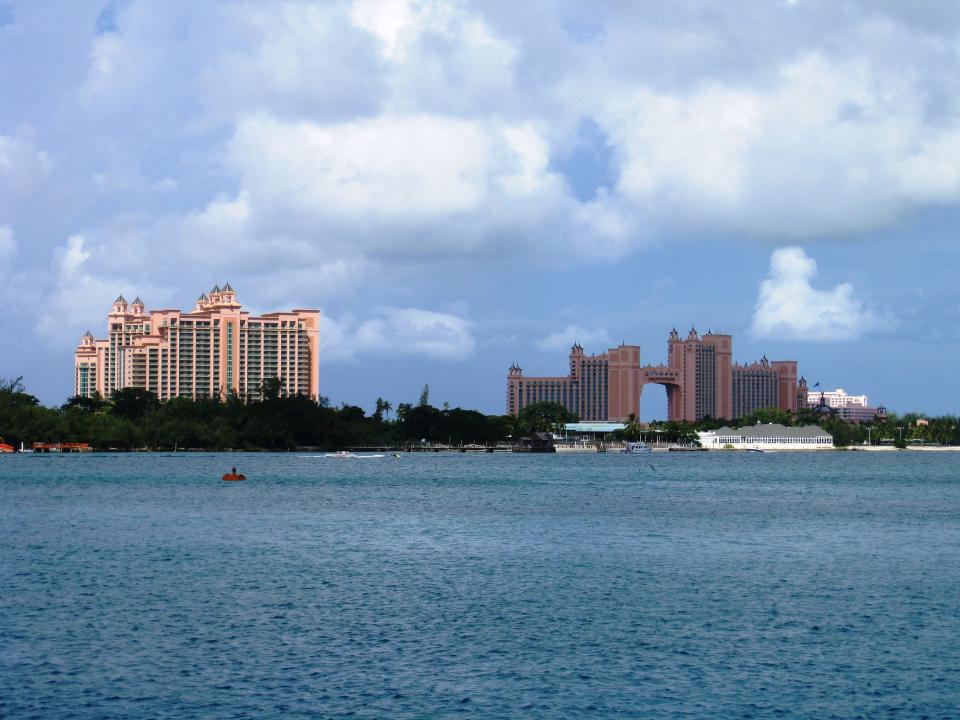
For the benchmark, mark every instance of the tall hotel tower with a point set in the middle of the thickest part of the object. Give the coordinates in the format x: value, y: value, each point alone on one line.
x: 214, y: 350
x: 599, y: 387
x: 700, y: 378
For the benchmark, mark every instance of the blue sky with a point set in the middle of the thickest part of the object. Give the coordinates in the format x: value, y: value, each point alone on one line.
x: 460, y: 186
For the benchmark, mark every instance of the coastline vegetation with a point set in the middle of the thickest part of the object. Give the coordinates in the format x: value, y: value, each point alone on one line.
x: 135, y: 419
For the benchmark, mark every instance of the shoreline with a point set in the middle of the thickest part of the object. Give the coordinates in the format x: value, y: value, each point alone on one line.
x: 487, y: 451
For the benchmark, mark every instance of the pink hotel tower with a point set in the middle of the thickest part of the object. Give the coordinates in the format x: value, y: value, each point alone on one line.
x: 214, y: 350
x: 700, y: 378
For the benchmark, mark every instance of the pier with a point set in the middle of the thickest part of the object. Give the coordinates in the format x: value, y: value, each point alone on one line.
x: 42, y: 447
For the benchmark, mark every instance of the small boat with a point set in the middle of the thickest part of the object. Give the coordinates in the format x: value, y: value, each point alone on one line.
x: 755, y: 450
x: 234, y: 476
x: 636, y: 448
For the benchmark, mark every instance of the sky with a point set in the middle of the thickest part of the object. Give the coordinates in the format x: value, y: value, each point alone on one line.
x: 460, y: 186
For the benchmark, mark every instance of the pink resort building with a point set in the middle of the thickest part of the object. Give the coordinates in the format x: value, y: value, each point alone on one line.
x: 215, y: 350
x: 852, y: 408
x: 700, y: 378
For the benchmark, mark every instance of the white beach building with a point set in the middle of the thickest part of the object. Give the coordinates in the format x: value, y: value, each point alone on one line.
x: 769, y: 436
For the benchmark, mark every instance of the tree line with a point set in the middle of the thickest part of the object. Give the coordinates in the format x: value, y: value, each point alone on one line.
x: 134, y: 418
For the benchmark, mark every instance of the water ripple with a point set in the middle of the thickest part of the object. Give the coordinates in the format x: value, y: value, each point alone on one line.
x: 717, y: 586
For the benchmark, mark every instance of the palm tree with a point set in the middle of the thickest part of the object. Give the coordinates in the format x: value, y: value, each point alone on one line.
x: 383, y: 407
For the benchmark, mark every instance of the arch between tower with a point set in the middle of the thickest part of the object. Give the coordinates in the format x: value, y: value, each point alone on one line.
x: 671, y: 380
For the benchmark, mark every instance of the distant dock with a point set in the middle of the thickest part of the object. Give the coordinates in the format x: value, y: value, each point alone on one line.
x: 40, y: 447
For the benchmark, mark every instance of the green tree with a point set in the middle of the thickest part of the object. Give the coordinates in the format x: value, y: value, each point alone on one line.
x: 403, y: 409
x: 83, y: 403
x: 844, y: 433
x: 767, y: 415
x: 424, y: 396
x: 632, y: 429
x: 14, y: 394
x: 352, y: 413
x: 545, y: 416
x: 270, y: 388
x: 382, y: 408
x: 133, y: 403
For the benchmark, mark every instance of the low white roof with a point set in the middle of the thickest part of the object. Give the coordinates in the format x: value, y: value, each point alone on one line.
x: 594, y: 427
x: 772, y: 430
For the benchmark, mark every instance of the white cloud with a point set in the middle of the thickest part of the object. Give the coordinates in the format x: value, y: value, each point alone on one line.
x: 597, y: 338
x: 465, y: 106
x: 73, y: 257
x: 397, y: 331
x: 398, y: 168
x: 335, y: 150
x: 440, y: 54
x: 403, y: 187
x: 408, y: 166
x: 78, y: 298
x: 8, y: 243
x: 385, y: 19
x: 22, y: 163
x: 81, y: 293
x: 444, y: 143
x: 828, y: 147
x: 283, y: 48
x: 789, y: 307
x: 8, y: 249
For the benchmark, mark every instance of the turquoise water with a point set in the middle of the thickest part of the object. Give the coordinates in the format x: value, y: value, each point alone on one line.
x: 701, y: 585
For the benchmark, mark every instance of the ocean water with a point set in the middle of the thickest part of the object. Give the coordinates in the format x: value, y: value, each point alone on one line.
x: 694, y: 585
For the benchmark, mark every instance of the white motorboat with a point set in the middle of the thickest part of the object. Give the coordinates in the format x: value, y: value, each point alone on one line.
x: 636, y: 448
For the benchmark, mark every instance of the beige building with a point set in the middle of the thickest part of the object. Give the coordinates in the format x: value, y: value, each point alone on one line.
x: 836, y: 398
x: 215, y: 350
